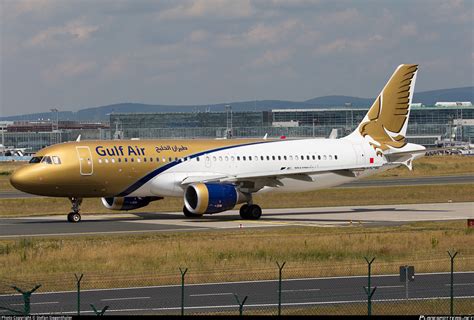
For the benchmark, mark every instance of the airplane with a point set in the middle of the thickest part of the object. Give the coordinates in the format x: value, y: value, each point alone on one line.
x: 214, y: 176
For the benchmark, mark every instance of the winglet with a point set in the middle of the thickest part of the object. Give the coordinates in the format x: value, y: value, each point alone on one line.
x: 78, y: 138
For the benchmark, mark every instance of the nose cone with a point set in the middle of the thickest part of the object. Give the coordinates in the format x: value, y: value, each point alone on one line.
x: 21, y: 180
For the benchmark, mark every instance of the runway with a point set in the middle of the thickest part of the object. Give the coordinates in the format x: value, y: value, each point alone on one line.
x: 129, y: 223
x: 215, y: 297
x: 364, y: 183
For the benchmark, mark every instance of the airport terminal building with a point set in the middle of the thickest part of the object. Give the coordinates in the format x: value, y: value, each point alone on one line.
x: 446, y: 123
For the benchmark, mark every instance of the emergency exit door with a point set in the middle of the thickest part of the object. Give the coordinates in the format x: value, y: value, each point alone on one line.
x: 86, y: 167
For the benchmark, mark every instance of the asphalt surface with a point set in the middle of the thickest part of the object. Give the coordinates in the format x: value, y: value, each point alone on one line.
x: 216, y: 297
x: 127, y: 223
x: 460, y: 179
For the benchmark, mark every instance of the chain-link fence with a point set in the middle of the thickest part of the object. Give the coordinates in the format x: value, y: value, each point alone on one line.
x: 283, y: 288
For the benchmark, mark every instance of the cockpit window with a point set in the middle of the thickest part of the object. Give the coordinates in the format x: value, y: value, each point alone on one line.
x: 36, y: 159
x: 47, y: 160
x: 56, y: 160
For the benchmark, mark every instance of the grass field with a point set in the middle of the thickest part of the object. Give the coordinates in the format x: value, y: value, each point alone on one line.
x: 244, y: 254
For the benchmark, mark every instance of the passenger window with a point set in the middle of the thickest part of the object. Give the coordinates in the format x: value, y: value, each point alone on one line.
x: 170, y: 159
x: 56, y: 160
x: 284, y: 157
x: 132, y: 159
x: 197, y: 158
x: 164, y: 159
x: 324, y: 157
x: 100, y: 160
x: 296, y: 157
x: 232, y: 158
x: 220, y: 158
x: 307, y: 157
x: 314, y: 157
x: 106, y: 160
x: 113, y: 160
x: 119, y: 159
x: 291, y: 158
x: 268, y: 158
x: 244, y: 158
x: 138, y: 160
x: 273, y: 157
x: 238, y: 158
x: 261, y: 158
x: 226, y: 158
x: 330, y: 157
x: 250, y: 158
x: 144, y: 159
x: 214, y: 159
x: 279, y: 157
x: 125, y: 159
x: 335, y: 157
x: 319, y: 157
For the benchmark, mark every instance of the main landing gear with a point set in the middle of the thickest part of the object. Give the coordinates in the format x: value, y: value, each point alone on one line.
x: 250, y: 212
x: 189, y: 214
x: 75, y: 216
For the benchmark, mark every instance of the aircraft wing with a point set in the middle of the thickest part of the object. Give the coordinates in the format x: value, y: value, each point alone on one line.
x: 257, y: 180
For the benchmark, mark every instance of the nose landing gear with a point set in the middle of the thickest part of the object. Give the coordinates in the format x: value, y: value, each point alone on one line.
x: 75, y: 216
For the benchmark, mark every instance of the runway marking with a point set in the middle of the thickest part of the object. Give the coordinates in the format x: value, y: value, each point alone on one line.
x: 240, y: 282
x: 267, y: 304
x: 460, y: 284
x: 385, y: 287
x: 22, y: 304
x: 211, y: 294
x: 300, y: 290
x: 130, y: 298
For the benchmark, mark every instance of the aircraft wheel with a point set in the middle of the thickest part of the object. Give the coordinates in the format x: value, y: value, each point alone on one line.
x: 243, y: 211
x: 250, y: 212
x: 254, y: 212
x: 74, y: 217
x: 189, y: 214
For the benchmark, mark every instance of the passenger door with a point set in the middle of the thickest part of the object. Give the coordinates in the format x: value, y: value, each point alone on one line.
x: 86, y: 166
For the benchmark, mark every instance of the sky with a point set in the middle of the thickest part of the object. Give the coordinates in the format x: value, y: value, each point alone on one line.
x: 79, y: 53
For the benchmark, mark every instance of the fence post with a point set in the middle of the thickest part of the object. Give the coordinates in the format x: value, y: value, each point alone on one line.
x: 97, y: 312
x: 369, y: 290
x: 452, y: 256
x: 280, y: 268
x: 26, y: 298
x: 241, y: 304
x: 183, y: 273
x: 78, y: 284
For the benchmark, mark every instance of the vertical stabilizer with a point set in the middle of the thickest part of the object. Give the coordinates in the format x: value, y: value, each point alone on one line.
x: 385, y: 124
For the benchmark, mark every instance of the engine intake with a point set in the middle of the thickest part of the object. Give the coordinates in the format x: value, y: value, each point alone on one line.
x: 127, y: 203
x: 203, y: 198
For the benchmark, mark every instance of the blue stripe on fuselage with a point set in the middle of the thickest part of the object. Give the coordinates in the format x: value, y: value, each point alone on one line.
x: 162, y: 169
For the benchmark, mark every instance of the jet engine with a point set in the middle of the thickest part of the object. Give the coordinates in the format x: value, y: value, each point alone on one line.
x: 203, y: 198
x: 127, y: 203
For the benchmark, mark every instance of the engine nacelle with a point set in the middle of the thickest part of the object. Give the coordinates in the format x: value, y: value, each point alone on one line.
x: 127, y: 203
x: 203, y: 198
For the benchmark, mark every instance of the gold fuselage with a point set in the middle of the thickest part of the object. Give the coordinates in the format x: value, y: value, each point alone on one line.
x: 111, y: 167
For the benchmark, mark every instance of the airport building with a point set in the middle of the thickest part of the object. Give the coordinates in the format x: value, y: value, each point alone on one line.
x: 443, y: 124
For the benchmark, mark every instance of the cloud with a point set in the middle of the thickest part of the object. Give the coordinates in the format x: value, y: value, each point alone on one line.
x: 68, y: 69
x: 211, y: 9
x: 272, y: 58
x: 347, y: 45
x: 259, y: 34
x: 409, y: 30
x: 73, y: 31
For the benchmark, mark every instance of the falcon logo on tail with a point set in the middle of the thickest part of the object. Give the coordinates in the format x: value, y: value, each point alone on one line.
x: 387, y: 119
